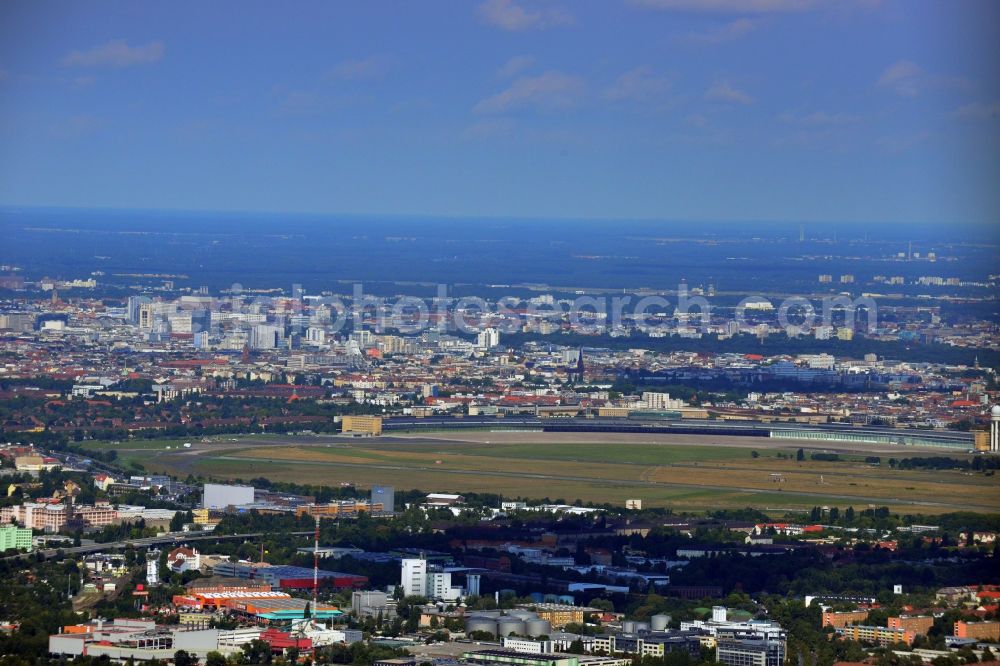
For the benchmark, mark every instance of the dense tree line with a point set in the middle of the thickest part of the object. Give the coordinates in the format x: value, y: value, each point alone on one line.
x: 978, y: 463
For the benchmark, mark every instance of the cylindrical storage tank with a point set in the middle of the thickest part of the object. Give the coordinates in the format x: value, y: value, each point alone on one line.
x: 628, y: 626
x: 522, y: 614
x: 641, y: 627
x: 510, y: 625
x: 480, y: 623
x: 659, y: 622
x: 536, y: 628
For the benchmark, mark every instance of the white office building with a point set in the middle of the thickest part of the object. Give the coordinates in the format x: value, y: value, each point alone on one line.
x: 413, y: 578
x: 660, y: 401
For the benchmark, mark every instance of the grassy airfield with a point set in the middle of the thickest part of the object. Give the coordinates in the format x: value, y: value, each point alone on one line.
x: 684, y: 472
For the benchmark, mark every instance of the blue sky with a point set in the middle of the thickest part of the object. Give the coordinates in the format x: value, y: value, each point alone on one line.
x: 847, y: 110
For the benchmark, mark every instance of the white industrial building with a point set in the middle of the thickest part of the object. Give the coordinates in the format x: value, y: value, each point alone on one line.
x: 143, y: 640
x: 417, y: 581
x: 720, y: 622
x: 371, y: 603
x: 526, y: 645
x: 439, y: 587
x: 152, y: 567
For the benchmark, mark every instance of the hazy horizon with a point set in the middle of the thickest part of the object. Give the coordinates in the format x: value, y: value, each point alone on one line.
x: 826, y: 225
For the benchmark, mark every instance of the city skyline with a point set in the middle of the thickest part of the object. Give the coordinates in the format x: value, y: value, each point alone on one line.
x: 500, y: 333
x: 652, y: 109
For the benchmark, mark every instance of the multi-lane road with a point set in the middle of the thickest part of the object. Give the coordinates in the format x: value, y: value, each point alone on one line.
x: 147, y: 542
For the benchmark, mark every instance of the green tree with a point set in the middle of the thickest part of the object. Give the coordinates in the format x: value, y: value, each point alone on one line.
x: 177, y: 522
x: 257, y: 652
x: 214, y: 658
x: 603, y: 604
x: 184, y: 658
x: 966, y: 653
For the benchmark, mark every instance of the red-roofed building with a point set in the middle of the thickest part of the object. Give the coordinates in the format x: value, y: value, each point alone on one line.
x: 183, y: 559
x: 282, y: 640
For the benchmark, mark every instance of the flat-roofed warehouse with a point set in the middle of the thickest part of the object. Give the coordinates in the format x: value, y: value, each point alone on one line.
x: 288, y: 576
x: 281, y: 608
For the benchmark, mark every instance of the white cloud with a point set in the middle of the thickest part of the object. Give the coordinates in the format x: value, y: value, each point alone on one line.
x: 727, y: 32
x: 638, y: 85
x: 904, y: 77
x: 817, y: 119
x: 372, y: 67
x: 507, y: 15
x: 724, y: 92
x: 515, y: 66
x: 116, y: 53
x: 979, y: 111
x: 731, y: 6
x: 908, y: 79
x: 545, y: 92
